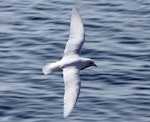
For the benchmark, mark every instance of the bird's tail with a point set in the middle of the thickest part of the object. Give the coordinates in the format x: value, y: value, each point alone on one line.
x: 47, y: 69
x: 51, y: 67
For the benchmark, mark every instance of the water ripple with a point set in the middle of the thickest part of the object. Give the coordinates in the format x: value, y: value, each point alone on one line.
x: 117, y: 37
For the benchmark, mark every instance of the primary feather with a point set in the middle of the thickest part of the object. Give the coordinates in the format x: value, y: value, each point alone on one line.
x: 72, y: 89
x: 76, y: 37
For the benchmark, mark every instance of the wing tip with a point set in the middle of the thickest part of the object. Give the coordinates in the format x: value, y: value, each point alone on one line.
x: 67, y: 113
x: 74, y: 9
x: 69, y: 106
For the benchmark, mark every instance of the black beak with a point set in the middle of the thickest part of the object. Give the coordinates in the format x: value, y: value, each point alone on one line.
x: 95, y: 65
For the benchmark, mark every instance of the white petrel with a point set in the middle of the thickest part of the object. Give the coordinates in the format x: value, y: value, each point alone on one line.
x: 71, y: 63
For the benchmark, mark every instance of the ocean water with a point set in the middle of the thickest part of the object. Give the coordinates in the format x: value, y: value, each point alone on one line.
x: 34, y: 32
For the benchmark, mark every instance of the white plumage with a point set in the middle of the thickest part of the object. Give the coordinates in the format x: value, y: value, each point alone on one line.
x: 71, y: 63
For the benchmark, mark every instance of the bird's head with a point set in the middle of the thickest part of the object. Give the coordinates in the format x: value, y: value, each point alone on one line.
x: 92, y: 63
x: 88, y: 63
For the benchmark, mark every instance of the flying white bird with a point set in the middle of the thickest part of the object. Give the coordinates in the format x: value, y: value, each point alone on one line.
x: 71, y: 63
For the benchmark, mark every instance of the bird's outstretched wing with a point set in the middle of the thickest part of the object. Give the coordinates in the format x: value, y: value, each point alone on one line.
x: 76, y: 37
x: 72, y: 89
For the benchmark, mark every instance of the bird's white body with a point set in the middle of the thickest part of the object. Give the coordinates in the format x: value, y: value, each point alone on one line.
x: 71, y: 63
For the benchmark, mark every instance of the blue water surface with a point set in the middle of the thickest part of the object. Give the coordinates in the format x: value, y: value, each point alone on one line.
x: 34, y: 32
